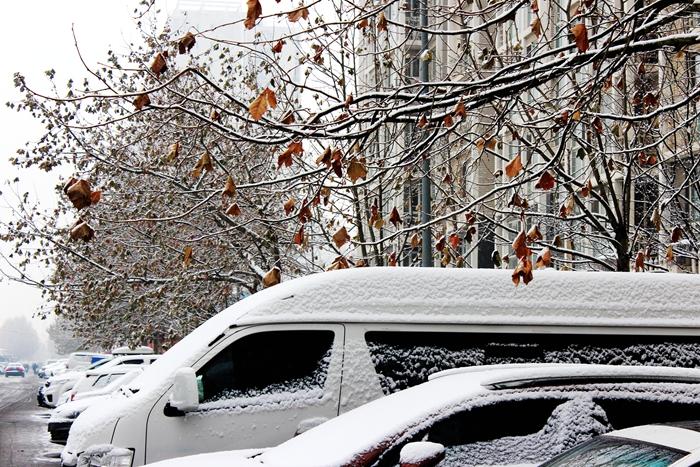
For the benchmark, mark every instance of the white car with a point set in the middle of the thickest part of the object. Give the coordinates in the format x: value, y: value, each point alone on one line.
x: 291, y: 356
x: 499, y: 415
x: 92, y: 390
x: 668, y: 445
x: 52, y: 392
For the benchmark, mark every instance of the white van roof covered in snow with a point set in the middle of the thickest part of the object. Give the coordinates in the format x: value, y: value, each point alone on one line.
x: 478, y: 296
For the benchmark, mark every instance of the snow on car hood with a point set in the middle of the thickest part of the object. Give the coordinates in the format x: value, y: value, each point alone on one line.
x: 238, y: 458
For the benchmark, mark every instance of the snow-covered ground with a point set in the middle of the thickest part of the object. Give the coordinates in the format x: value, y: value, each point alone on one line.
x: 24, y: 441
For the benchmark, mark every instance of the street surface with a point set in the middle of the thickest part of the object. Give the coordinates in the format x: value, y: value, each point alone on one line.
x: 24, y: 440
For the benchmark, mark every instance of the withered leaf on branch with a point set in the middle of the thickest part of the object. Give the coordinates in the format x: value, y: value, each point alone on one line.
x: 341, y: 237
x: 486, y: 142
x: 422, y: 121
x: 517, y: 201
x: 496, y: 258
x: 567, y: 207
x: 415, y: 240
x: 273, y: 276
x: 639, y: 262
x: 448, y: 121
x: 186, y: 43
x: 536, y: 27
x: 82, y: 231
x: 534, y: 6
x: 669, y: 253
x: 362, y: 24
x: 337, y: 162
x: 265, y: 100
x: 546, y: 181
x: 382, y: 23
x: 254, y: 11
x: 520, y: 245
x: 289, y: 206
x: 580, y: 33
x: 357, y: 169
x: 469, y: 234
x: 676, y: 234
x: 299, y: 236
x: 339, y: 262
x: 305, y: 212
x: 534, y: 233
x: 514, y: 167
x: 470, y: 217
x: 656, y: 219
x: 300, y: 13
x: 286, y: 158
x: 441, y: 243
x: 287, y: 117
x: 459, y: 110
x: 204, y: 163
x: 375, y: 219
x: 78, y: 192
x: 395, y: 218
x: 454, y: 241
x: 597, y: 125
x: 277, y: 48
x: 392, y: 259
x: 159, y: 64
x: 95, y: 197
x: 187, y: 257
x: 173, y: 152
x: 557, y: 241
x: 586, y: 189
x: 544, y: 258
x: 229, y: 188
x: 234, y: 210
x: 348, y: 101
x: 141, y: 101
x: 325, y: 157
x: 522, y: 271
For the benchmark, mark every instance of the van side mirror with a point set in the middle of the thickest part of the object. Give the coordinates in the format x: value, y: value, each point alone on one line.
x: 421, y: 454
x: 185, y: 396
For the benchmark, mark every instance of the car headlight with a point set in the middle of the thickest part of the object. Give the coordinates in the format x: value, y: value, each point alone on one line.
x: 110, y: 457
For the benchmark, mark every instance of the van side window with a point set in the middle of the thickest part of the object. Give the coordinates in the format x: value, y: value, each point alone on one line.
x: 267, y: 363
x: 404, y: 359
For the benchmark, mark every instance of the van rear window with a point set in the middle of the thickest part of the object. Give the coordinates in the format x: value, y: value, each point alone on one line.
x: 404, y: 359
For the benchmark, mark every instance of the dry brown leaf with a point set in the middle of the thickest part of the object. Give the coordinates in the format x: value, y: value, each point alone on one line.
x: 254, y: 11
x: 448, y: 121
x: 580, y: 33
x: 357, y: 169
x: 78, y: 192
x: 514, y: 167
x: 392, y: 259
x: 534, y: 234
x: 656, y: 219
x: 546, y: 181
x: 381, y: 22
x: 395, y: 218
x: 536, y: 27
x: 415, y: 240
x: 173, y: 152
x: 299, y: 236
x: 676, y: 234
x: 597, y: 125
x: 348, y: 101
x: 95, y: 197
x: 534, y: 6
x: 234, y: 210
x: 286, y: 158
x: 639, y: 262
x: 669, y: 253
x: 520, y: 245
x: 567, y: 208
x: 325, y: 157
x: 557, y: 241
x: 141, y: 101
x: 187, y: 257
x: 362, y: 24
x: 522, y: 271
x: 277, y: 48
x: 266, y: 100
x: 186, y: 43
x: 82, y: 231
x: 305, y: 212
x: 454, y: 240
x: 544, y: 258
x: 229, y: 188
x: 459, y: 110
x: 338, y: 263
x: 576, y: 116
x: 204, y: 163
x: 300, y: 13
x: 586, y: 190
x: 422, y: 121
x: 341, y: 237
x: 337, y: 162
x: 273, y: 276
x: 287, y: 117
x: 159, y: 64
x: 517, y: 201
x: 289, y: 206
x: 496, y: 258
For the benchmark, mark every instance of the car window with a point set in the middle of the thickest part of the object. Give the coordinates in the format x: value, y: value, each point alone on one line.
x: 604, y: 451
x: 405, y: 359
x: 267, y: 363
x: 104, y: 380
x: 135, y: 361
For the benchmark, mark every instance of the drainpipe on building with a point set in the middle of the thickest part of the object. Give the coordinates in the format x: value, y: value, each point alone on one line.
x: 425, y: 58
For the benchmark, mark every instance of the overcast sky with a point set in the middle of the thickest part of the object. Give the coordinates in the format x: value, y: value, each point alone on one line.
x: 36, y: 37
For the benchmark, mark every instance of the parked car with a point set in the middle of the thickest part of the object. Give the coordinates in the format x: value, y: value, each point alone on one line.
x: 672, y: 444
x: 498, y: 415
x: 89, y: 391
x: 14, y: 369
x: 306, y: 350
x: 50, y: 392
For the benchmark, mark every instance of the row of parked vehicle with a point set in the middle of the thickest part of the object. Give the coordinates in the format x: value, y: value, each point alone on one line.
x: 393, y: 366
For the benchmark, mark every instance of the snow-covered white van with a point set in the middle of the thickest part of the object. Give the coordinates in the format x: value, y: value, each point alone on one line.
x: 301, y: 352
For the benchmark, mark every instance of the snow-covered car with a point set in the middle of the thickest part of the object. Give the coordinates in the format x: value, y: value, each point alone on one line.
x: 498, y: 415
x: 291, y: 356
x: 14, y: 369
x: 54, y: 388
x: 55, y: 368
x: 97, y: 391
x: 674, y: 444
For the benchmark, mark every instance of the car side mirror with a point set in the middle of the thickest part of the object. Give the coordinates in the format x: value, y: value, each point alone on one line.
x: 421, y: 454
x: 185, y: 396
